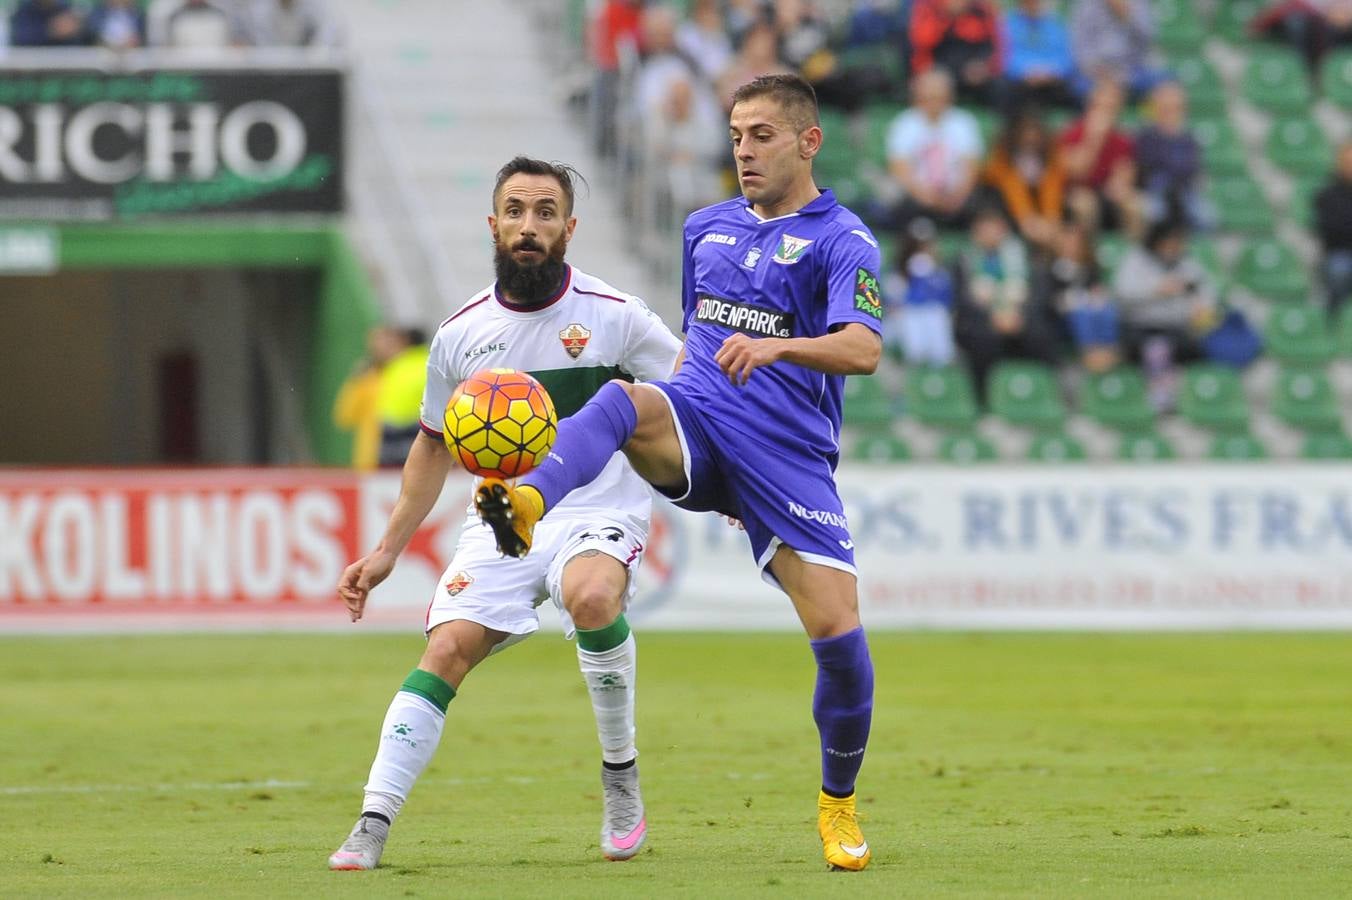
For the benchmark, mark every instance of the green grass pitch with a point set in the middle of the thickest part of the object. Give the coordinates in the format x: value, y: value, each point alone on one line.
x: 1032, y: 765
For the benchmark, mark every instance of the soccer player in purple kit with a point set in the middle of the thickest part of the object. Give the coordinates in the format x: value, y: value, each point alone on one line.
x: 781, y: 301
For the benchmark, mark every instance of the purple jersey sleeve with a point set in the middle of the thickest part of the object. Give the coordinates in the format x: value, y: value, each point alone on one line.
x: 852, y: 290
x: 687, y: 278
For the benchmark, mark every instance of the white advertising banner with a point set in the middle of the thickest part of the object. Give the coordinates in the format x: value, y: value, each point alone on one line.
x: 1168, y: 546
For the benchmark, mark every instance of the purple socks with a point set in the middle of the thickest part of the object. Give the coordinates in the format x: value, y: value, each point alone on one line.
x: 586, y: 442
x: 842, y: 707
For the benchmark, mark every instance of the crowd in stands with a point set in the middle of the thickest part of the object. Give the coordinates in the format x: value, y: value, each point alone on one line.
x: 192, y: 24
x: 1024, y: 133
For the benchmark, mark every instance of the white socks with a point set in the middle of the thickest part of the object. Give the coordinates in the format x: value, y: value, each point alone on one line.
x: 408, y: 739
x: 610, y: 678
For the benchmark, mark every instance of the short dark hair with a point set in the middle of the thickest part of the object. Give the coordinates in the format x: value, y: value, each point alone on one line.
x: 792, y: 92
x: 564, y: 174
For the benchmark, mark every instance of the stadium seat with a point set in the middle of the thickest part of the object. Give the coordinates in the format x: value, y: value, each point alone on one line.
x: 867, y: 404
x: 1335, y: 77
x: 1206, y: 92
x: 1297, y: 144
x: 1240, y: 204
x: 1209, y: 256
x: 880, y: 448
x: 1301, y: 203
x: 877, y: 118
x: 1274, y: 80
x: 1345, y: 331
x: 1298, y: 334
x: 1233, y: 17
x: 1178, y: 27
x: 965, y: 448
x: 1109, y: 252
x: 1327, y: 445
x: 1145, y: 446
x: 1236, y: 447
x: 1213, y: 397
x: 1271, y: 269
x: 1056, y: 448
x: 1222, y: 150
x: 1026, y: 393
x: 941, y: 397
x: 1118, y: 400
x: 1304, y: 399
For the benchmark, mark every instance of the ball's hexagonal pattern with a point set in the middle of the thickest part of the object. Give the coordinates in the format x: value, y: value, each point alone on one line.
x: 500, y: 423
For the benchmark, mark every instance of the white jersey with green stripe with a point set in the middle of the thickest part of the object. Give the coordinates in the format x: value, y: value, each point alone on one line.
x: 582, y: 337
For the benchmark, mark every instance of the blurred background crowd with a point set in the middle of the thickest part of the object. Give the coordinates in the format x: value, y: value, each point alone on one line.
x: 197, y: 24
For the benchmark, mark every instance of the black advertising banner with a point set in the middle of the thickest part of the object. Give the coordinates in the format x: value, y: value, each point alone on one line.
x: 94, y: 145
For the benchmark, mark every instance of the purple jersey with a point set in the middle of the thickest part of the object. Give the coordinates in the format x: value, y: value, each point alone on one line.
x: 798, y: 275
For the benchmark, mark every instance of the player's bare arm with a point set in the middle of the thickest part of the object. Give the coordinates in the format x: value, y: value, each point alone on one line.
x: 852, y: 350
x: 424, y: 474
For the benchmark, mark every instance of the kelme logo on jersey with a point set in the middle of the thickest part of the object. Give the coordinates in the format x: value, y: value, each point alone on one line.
x: 575, y: 339
x: 459, y: 581
x: 744, y: 317
x: 867, y: 297
x: 790, y: 249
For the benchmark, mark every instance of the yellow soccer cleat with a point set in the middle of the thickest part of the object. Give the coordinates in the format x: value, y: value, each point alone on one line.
x: 511, y: 512
x: 842, y: 842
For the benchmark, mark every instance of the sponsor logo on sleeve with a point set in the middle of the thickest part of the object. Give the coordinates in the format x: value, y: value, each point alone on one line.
x: 575, y: 338
x: 867, y: 297
x: 790, y: 249
x: 744, y: 317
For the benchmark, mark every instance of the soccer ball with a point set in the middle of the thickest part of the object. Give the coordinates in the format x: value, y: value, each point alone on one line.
x: 500, y: 423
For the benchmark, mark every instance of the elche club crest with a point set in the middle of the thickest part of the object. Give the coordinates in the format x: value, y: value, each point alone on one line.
x: 575, y: 338
x: 459, y: 581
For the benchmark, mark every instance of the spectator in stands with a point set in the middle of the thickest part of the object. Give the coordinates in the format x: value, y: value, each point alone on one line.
x: 1100, y: 165
x: 1072, y: 284
x: 663, y: 64
x: 202, y: 25
x: 291, y: 23
x: 45, y: 23
x: 117, y: 24
x: 1113, y: 40
x: 614, y: 35
x: 1027, y: 171
x: 357, y: 407
x: 963, y: 38
x: 1169, y: 161
x: 1311, y: 26
x: 994, y: 319
x: 684, y: 145
x: 1333, y: 223
x: 757, y: 55
x: 919, y: 297
x: 1168, y: 304
x: 933, y: 153
x: 703, y: 40
x: 1039, y: 67
x: 401, y: 388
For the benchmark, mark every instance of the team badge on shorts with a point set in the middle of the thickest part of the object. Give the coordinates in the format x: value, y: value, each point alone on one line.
x: 790, y: 249
x: 575, y: 339
x: 867, y: 297
x: 459, y: 581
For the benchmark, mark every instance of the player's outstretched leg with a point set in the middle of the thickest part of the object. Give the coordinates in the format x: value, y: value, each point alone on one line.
x: 608, y: 658
x: 585, y: 443
x: 408, y: 738
x: 842, y: 706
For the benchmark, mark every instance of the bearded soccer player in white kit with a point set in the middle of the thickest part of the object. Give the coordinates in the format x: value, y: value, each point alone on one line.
x: 574, y: 333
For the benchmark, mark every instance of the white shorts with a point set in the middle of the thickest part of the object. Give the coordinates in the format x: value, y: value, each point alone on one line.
x: 502, y: 593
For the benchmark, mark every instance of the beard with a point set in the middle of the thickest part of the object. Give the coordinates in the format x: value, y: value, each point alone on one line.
x: 529, y: 284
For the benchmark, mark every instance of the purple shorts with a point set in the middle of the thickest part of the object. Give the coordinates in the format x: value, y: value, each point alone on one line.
x: 782, y: 497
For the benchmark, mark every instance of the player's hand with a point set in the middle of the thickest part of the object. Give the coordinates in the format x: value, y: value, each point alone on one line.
x: 741, y: 355
x: 360, y: 577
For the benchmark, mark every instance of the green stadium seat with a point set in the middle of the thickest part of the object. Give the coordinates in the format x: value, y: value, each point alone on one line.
x: 1206, y: 91
x: 1056, y: 448
x: 966, y: 448
x: 1236, y: 447
x: 1304, y: 399
x: 1335, y: 77
x: 882, y: 57
x: 1233, y: 17
x: 1327, y: 445
x: 1145, y: 446
x: 941, y: 397
x: 1178, y: 27
x: 1026, y: 393
x: 1301, y: 203
x: 1213, y: 397
x: 1274, y: 80
x: 1118, y: 400
x: 880, y: 448
x: 1345, y: 331
x: 1222, y: 150
x: 1298, y: 334
x: 1208, y: 254
x: 1298, y: 145
x: 1240, y: 204
x: 1271, y: 269
x: 867, y: 404
x: 878, y: 118
x: 1109, y: 252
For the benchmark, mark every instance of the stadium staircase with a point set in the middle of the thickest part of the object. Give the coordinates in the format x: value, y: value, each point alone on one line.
x: 445, y: 92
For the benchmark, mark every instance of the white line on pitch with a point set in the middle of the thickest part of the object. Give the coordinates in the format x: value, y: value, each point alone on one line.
x: 150, y: 788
